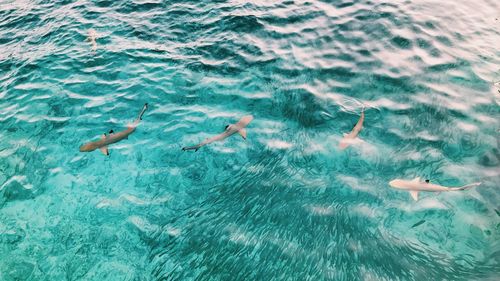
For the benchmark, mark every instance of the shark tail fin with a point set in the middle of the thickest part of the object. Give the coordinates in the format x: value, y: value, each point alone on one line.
x: 469, y: 186
x: 414, y: 195
x: 144, y: 108
x: 139, y: 117
x: 195, y: 148
x: 243, y: 133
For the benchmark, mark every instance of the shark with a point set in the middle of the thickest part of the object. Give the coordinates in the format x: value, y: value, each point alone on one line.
x: 416, y: 185
x: 229, y: 131
x: 92, y: 36
x: 113, y: 137
x: 348, y: 139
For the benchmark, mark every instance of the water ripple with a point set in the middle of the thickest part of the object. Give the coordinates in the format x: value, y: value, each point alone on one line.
x: 285, y: 202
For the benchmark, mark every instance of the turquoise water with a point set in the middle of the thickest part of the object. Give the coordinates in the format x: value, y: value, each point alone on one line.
x: 286, y: 204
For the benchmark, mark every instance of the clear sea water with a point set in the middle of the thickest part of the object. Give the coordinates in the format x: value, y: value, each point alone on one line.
x: 286, y: 204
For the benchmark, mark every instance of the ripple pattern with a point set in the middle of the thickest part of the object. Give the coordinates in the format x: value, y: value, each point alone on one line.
x: 284, y: 205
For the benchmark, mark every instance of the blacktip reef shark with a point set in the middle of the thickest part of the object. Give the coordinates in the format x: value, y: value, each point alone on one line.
x: 347, y: 140
x: 92, y: 36
x: 229, y: 131
x: 105, y: 140
x: 416, y: 185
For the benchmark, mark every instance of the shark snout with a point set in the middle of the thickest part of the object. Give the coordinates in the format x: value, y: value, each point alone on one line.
x: 395, y: 183
x: 87, y: 147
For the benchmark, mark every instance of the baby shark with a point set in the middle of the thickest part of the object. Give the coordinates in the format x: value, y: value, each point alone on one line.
x: 105, y: 140
x: 416, y: 185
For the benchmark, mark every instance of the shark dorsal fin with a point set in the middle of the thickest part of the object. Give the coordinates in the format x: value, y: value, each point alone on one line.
x: 414, y: 194
x: 417, y: 179
x: 243, y: 133
x: 104, y: 150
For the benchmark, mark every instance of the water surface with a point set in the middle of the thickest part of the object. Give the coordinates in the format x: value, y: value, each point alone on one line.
x: 286, y: 204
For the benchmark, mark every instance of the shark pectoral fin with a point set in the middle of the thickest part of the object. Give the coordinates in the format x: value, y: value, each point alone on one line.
x: 414, y: 195
x: 104, y: 150
x: 243, y: 133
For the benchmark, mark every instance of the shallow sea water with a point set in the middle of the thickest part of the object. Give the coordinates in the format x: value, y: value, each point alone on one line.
x: 286, y: 204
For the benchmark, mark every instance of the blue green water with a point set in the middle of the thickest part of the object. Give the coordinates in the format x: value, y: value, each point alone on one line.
x: 286, y: 204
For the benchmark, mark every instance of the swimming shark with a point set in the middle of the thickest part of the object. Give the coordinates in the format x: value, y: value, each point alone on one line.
x: 348, y: 139
x: 105, y: 140
x: 229, y: 131
x: 92, y: 36
x: 416, y: 185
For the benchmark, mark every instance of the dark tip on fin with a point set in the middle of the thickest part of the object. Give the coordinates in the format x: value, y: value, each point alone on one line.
x: 143, y: 109
x: 186, y: 148
x: 111, y: 131
x: 427, y: 181
x: 418, y: 223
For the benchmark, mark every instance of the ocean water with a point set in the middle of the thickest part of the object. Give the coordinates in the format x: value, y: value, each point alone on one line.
x: 286, y: 204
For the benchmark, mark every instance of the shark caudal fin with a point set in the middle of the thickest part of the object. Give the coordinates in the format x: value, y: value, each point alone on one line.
x: 144, y: 108
x: 469, y: 186
x: 139, y: 117
x: 195, y: 148
x: 414, y: 195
